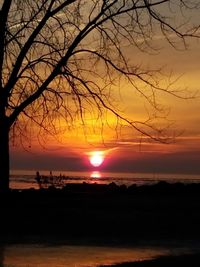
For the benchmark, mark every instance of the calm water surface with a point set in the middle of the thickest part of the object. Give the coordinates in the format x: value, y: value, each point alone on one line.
x: 22, y: 179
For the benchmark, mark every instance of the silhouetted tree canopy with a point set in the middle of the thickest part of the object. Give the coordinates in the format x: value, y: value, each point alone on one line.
x: 62, y: 58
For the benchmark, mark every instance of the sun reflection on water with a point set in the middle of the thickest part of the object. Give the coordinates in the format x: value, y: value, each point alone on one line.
x: 95, y: 174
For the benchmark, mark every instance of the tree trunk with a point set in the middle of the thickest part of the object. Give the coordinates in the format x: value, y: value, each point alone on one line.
x: 4, y: 155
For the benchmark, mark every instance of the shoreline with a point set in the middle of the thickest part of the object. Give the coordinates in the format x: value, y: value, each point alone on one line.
x: 185, y: 260
x: 60, y: 179
x: 103, y: 213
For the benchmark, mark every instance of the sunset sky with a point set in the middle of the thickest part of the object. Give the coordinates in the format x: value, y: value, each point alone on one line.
x: 123, y: 152
x: 124, y: 149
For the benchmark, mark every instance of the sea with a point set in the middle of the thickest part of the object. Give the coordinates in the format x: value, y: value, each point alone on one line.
x: 25, y: 179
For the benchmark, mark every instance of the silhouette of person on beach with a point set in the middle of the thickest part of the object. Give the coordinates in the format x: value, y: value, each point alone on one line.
x: 38, y: 178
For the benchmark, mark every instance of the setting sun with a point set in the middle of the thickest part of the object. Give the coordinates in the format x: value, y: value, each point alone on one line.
x: 96, y: 158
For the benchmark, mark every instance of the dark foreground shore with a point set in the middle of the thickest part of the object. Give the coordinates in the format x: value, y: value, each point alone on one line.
x: 103, y: 214
x: 190, y: 260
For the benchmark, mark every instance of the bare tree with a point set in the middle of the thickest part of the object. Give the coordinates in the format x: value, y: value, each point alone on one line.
x: 60, y: 58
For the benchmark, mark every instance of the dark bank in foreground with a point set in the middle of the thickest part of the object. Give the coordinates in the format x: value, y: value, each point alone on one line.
x: 102, y: 214
x: 192, y: 260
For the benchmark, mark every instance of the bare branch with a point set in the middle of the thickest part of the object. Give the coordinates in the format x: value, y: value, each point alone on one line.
x: 62, y: 58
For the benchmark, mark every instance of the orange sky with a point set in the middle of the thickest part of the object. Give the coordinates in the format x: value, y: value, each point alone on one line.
x: 68, y: 151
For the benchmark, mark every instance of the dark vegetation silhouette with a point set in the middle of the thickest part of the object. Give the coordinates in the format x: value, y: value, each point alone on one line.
x: 60, y: 58
x: 54, y: 181
x: 102, y: 214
